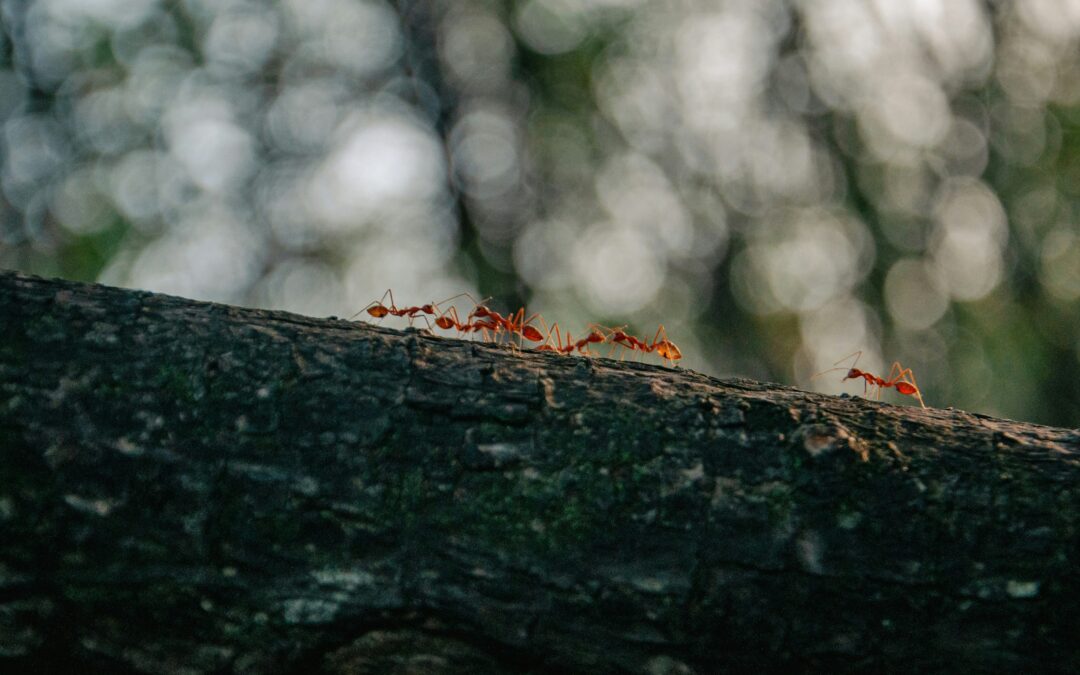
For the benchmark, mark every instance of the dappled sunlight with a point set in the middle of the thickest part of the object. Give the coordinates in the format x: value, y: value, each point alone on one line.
x: 381, y: 160
x: 801, y: 263
x: 968, y: 239
x: 212, y: 254
x: 915, y: 294
x: 617, y: 269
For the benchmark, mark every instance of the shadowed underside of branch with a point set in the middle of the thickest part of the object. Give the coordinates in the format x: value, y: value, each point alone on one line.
x: 190, y: 487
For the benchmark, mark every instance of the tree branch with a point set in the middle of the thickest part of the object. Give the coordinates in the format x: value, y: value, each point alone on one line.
x: 189, y: 487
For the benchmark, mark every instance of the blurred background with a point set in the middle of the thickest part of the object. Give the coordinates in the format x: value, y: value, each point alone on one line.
x: 779, y: 183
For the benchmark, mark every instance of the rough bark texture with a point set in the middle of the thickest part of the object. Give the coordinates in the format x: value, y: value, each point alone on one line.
x: 189, y: 487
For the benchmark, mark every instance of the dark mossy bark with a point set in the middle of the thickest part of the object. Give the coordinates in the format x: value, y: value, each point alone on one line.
x: 189, y: 487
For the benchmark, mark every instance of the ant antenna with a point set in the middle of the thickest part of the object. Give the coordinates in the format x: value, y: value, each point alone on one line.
x: 857, y: 354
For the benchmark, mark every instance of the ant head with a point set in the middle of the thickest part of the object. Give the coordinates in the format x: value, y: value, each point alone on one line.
x: 480, y: 312
x: 853, y: 374
x: 427, y: 309
x: 444, y: 322
x: 595, y: 336
x: 378, y: 311
x: 532, y: 334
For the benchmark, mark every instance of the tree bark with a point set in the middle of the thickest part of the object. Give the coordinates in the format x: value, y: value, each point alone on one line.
x: 191, y: 487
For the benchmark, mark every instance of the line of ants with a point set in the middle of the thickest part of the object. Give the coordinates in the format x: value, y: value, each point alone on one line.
x: 492, y: 325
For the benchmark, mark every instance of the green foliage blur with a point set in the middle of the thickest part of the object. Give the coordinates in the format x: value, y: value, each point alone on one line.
x: 781, y: 184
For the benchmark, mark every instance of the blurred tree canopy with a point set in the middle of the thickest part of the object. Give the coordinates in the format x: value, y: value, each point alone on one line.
x: 779, y: 183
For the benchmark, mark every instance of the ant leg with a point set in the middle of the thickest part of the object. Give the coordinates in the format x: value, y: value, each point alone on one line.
x: 517, y: 324
x: 647, y: 348
x: 656, y: 338
x: 526, y: 330
x: 614, y: 346
x: 608, y: 334
x: 452, y: 314
x: 473, y: 313
x: 393, y: 305
x: 378, y: 303
x: 511, y: 328
x: 458, y: 325
x: 516, y: 327
x: 895, y: 373
x: 857, y: 354
x: 476, y: 306
x: 490, y: 331
x: 503, y: 329
x: 918, y: 392
x: 665, y: 347
x: 546, y: 346
x: 905, y: 376
x: 558, y: 336
x: 448, y: 319
x: 413, y: 317
x: 559, y: 346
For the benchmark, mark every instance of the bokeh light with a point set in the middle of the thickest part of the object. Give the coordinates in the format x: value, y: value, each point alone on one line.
x: 780, y: 183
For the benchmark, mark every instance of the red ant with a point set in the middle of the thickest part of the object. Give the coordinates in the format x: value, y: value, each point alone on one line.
x: 593, y: 337
x: 558, y: 347
x: 486, y: 320
x: 582, y: 345
x: 900, y: 378
x: 514, y: 324
x: 450, y: 318
x: 517, y: 323
x: 620, y: 339
x: 379, y: 310
x: 664, y: 347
